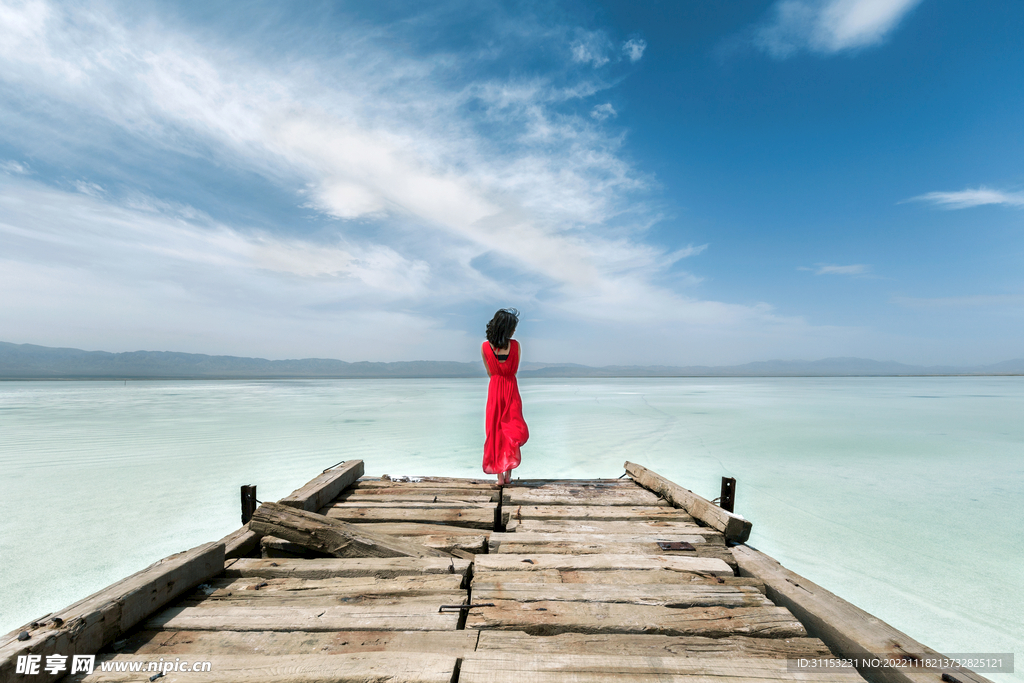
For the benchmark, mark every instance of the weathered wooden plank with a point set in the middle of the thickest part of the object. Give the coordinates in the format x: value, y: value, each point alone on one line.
x: 412, y: 505
x: 576, y: 495
x: 638, y: 526
x: 591, y: 483
x: 527, y: 563
x: 544, y: 618
x: 172, y: 643
x: 371, y: 490
x: 418, y: 529
x: 332, y: 536
x: 556, y: 668
x: 488, y: 484
x: 623, y: 577
x: 358, y: 498
x: 384, y: 568
x: 650, y: 645
x: 386, y: 601
x: 324, y: 488
x: 272, y: 546
x: 587, y: 542
x: 240, y: 542
x: 473, y: 518
x: 644, y: 594
x: 846, y: 629
x: 735, y: 527
x: 237, y: 589
x: 365, y: 615
x: 595, y: 513
x: 89, y: 624
x: 306, y: 668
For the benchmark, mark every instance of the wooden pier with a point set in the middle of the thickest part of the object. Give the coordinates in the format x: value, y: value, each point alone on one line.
x: 436, y: 579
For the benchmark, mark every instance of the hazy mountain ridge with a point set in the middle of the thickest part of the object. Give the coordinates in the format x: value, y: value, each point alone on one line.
x: 29, y: 361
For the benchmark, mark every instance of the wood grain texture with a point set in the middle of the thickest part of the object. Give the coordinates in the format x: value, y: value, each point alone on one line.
x: 240, y: 542
x: 165, y: 643
x: 342, y: 668
x: 383, y: 568
x: 579, y: 495
x: 650, y: 645
x: 558, y: 668
x: 665, y: 595
x: 89, y: 624
x: 325, y: 487
x: 551, y: 617
x: 846, y: 629
x: 637, y: 526
x: 473, y: 518
x: 533, y: 562
x: 734, y: 527
x: 595, y: 513
x: 617, y: 576
x: 332, y: 536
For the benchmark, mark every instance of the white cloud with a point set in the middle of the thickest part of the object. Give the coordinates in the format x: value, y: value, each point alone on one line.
x: 831, y: 269
x: 14, y: 167
x: 591, y: 47
x: 603, y: 111
x: 965, y: 199
x: 829, y: 26
x: 634, y: 49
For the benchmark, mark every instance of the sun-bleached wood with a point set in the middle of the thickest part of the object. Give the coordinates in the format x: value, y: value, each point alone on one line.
x: 666, y: 595
x: 595, y: 513
x: 473, y: 518
x: 579, y: 495
x: 558, y: 668
x: 325, y: 487
x: 847, y: 630
x: 734, y: 527
x: 534, y: 562
x: 552, y: 617
x: 649, y: 645
x: 346, y: 567
x: 307, y: 668
x: 165, y: 643
x: 360, y: 585
x: 617, y: 576
x: 91, y: 623
x: 332, y: 536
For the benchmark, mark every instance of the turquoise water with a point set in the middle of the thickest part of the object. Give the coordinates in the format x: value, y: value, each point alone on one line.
x: 903, y: 495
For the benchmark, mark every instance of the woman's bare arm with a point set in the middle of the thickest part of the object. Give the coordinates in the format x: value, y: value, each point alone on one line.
x: 483, y: 357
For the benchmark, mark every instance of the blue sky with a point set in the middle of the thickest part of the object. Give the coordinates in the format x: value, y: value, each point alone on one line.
x: 648, y: 182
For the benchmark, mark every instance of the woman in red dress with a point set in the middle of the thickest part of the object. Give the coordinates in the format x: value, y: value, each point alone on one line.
x: 506, y: 429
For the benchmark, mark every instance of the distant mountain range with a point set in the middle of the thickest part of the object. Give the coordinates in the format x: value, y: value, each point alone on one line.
x: 28, y: 361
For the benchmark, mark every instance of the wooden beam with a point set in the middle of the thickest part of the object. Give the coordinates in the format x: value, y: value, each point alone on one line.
x: 734, y: 527
x: 323, y: 489
x: 384, y: 568
x: 240, y: 542
x: 92, y: 623
x: 537, y: 562
x: 847, y: 630
x: 308, y: 668
x: 472, y: 518
x: 333, y: 536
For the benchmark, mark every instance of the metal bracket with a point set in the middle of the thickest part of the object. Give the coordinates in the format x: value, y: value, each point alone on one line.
x: 675, y: 545
x: 459, y: 608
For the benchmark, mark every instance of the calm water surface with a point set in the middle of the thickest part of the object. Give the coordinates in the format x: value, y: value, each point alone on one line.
x: 903, y: 495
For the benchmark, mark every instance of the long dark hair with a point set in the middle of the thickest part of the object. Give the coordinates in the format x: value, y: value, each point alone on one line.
x: 502, y: 326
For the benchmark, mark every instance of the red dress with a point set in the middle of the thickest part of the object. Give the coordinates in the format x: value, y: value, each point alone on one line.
x: 506, y: 429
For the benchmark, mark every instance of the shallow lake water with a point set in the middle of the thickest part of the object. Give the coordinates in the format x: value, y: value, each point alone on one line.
x: 903, y: 495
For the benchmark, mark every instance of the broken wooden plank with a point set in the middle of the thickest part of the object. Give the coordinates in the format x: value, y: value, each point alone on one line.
x: 304, y: 668
x: 847, y: 630
x: 324, y: 488
x: 595, y: 513
x: 364, y: 615
x: 174, y: 643
x: 527, y: 563
x: 494, y: 667
x: 577, y: 495
x: 384, y: 568
x: 551, y: 618
x: 272, y: 546
x: 91, y: 623
x: 473, y: 518
x: 332, y: 536
x: 677, y: 595
x: 650, y: 645
x: 735, y: 527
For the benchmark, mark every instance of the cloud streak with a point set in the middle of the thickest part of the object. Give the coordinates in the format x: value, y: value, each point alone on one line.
x: 827, y: 27
x: 969, y: 198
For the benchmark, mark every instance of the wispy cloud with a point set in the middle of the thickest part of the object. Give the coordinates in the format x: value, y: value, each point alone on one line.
x: 634, y: 49
x: 13, y: 167
x: 829, y: 26
x: 965, y: 199
x: 973, y: 301
x: 603, y: 111
x: 832, y: 269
